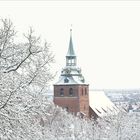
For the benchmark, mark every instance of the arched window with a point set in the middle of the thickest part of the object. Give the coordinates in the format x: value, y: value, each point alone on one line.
x: 61, y: 92
x: 70, y: 91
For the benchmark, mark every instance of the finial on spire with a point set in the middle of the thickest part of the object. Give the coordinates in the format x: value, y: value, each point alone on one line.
x: 71, y: 29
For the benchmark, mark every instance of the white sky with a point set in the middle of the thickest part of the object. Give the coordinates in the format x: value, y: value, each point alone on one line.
x: 106, y: 36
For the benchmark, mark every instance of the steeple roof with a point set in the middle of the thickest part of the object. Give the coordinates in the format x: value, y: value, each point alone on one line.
x: 71, y: 74
x: 70, y: 49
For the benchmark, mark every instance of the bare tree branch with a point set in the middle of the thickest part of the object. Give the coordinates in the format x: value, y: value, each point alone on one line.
x: 6, y: 100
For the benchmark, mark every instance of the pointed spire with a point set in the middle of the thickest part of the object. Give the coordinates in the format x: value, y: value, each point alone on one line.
x: 70, y: 57
x: 70, y: 49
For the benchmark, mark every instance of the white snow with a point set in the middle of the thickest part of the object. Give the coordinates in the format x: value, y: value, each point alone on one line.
x: 101, y: 104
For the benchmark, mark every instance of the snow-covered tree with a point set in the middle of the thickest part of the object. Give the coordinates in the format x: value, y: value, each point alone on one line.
x: 123, y: 126
x: 24, y: 76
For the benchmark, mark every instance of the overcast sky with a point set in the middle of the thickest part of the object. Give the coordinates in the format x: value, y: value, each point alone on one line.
x: 106, y: 36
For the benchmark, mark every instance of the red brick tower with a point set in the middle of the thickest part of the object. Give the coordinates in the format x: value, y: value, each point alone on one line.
x: 71, y: 92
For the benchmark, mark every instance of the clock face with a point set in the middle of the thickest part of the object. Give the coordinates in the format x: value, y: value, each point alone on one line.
x: 66, y: 80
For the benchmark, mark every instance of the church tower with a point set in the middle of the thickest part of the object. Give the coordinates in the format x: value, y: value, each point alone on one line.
x: 71, y: 92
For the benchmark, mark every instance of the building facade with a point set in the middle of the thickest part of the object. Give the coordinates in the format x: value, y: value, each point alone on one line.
x: 71, y: 92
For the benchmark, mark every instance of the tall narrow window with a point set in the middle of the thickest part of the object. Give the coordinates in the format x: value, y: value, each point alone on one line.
x: 70, y: 91
x: 85, y: 91
x: 61, y: 92
x: 82, y: 92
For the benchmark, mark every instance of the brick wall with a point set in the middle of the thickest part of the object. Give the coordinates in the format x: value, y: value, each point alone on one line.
x: 77, y: 102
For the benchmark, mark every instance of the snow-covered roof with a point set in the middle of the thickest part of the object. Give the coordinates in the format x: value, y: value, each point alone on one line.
x: 71, y: 80
x: 101, y: 104
x: 71, y: 75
